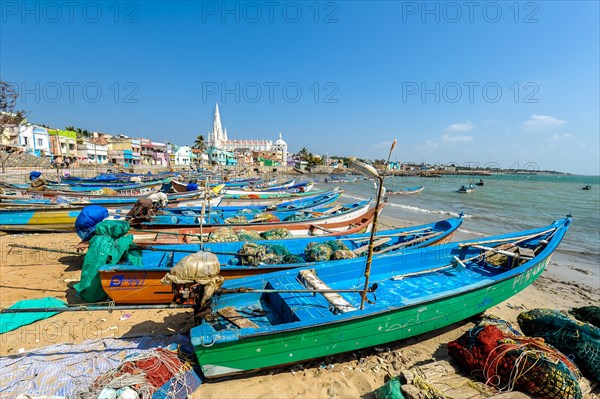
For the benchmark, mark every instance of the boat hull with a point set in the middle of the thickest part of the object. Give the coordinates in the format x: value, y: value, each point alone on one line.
x: 127, y: 286
x: 271, y: 350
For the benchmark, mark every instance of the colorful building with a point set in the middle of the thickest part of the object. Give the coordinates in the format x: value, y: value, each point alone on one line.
x: 35, y: 139
x: 63, y: 145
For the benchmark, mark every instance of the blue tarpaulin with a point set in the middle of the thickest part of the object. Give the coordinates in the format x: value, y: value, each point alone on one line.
x: 12, y: 321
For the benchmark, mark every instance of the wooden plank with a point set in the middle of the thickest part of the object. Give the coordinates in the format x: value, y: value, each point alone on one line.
x: 406, y: 243
x: 334, y: 209
x: 234, y: 317
x: 310, y: 280
x: 502, y: 252
x: 376, y: 243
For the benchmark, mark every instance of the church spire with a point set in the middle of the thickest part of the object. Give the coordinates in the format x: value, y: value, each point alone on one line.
x: 217, y: 132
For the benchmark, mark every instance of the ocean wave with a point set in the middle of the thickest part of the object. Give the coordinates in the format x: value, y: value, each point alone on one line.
x: 412, y: 208
x: 475, y: 233
x: 423, y: 210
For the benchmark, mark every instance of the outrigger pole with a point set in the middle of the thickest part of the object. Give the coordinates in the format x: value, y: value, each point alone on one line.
x: 368, y: 170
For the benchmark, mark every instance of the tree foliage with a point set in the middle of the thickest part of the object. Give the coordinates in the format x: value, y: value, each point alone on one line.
x: 199, y: 143
x: 9, y: 116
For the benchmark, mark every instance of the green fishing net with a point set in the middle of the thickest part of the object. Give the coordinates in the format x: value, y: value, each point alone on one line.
x: 316, y: 252
x: 290, y: 259
x: 587, y: 314
x: 343, y: 254
x: 248, y: 235
x: 580, y: 341
x: 224, y: 234
x: 277, y: 234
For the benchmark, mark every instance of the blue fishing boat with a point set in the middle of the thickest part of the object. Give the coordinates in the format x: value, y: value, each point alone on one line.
x: 286, y: 206
x: 336, y: 214
x: 290, y: 316
x: 129, y: 283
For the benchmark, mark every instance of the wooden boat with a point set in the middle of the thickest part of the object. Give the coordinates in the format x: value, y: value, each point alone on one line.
x: 466, y: 189
x: 339, y: 213
x: 47, y: 220
x: 341, y: 178
x: 296, y: 188
x: 136, y: 190
x: 406, y: 191
x: 229, y: 211
x: 33, y: 200
x: 480, y: 183
x: 299, y: 229
x: 131, y: 284
x: 119, y: 189
x: 266, y: 198
x: 313, y: 312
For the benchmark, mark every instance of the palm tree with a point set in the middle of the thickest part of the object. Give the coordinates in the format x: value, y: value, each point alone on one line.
x: 199, y: 143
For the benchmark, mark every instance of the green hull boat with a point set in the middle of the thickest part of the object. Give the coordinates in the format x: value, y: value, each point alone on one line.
x: 417, y: 292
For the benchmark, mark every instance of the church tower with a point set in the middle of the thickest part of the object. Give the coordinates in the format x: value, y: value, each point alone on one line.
x: 217, y: 136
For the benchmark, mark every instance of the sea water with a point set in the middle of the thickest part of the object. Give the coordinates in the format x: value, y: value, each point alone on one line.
x: 506, y: 203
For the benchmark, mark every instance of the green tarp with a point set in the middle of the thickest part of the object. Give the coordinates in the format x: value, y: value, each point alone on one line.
x: 108, y: 246
x: 12, y: 321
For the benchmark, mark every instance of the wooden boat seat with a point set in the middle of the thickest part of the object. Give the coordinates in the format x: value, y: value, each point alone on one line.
x: 337, y: 302
x: 234, y: 317
x: 291, y: 306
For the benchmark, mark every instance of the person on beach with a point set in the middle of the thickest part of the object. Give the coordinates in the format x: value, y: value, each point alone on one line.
x: 38, y: 183
x: 147, y: 208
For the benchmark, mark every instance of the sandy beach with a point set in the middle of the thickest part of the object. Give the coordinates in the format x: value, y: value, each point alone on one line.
x: 34, y: 274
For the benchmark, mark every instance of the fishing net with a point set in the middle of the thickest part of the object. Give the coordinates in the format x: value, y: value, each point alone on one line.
x: 296, y: 217
x: 290, y: 259
x: 316, y: 252
x: 152, y: 374
x: 513, y: 362
x: 107, y: 246
x: 252, y: 254
x: 248, y: 235
x: 239, y: 219
x: 337, y: 245
x: 276, y: 234
x: 587, y: 314
x: 224, y: 234
x: 580, y: 341
x: 343, y: 254
x: 266, y: 217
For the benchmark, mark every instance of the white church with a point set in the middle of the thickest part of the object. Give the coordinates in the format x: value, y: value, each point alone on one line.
x: 221, y: 149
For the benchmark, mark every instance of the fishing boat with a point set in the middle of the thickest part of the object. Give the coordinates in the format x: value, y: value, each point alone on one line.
x: 291, y: 316
x: 47, y: 219
x: 587, y: 188
x: 406, y: 191
x: 341, y: 178
x: 480, y: 183
x: 339, y: 213
x: 296, y: 188
x: 466, y: 189
x: 229, y: 211
x: 138, y: 190
x: 106, y: 189
x: 34, y: 200
x: 297, y: 229
x: 266, y: 198
x: 132, y: 284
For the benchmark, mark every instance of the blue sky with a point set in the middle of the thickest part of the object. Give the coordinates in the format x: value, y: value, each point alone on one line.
x: 504, y: 83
